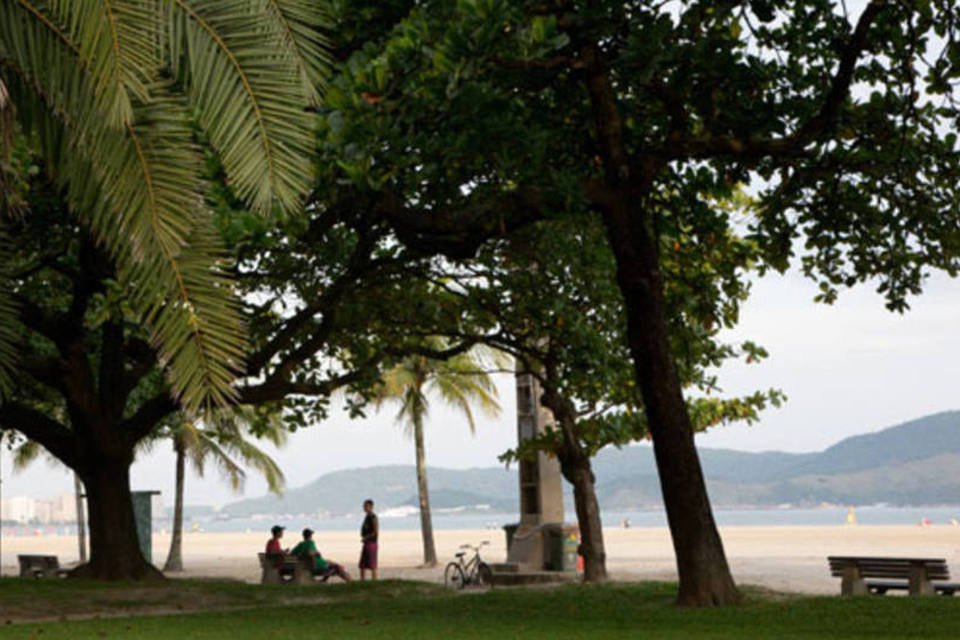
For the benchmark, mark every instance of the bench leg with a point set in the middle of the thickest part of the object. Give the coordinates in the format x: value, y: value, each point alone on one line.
x: 270, y: 575
x: 920, y: 584
x: 852, y: 583
x: 302, y: 574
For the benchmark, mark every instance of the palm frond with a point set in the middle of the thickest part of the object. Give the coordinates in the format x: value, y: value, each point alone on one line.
x: 228, y: 467
x: 194, y: 320
x: 303, y: 23
x: 253, y: 456
x: 167, y: 252
x: 116, y: 44
x: 85, y: 75
x: 26, y: 454
x: 248, y: 96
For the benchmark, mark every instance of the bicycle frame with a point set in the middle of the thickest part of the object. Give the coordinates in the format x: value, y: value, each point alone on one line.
x: 463, y: 571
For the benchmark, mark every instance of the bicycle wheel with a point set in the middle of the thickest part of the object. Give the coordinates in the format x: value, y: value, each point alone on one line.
x: 453, y: 576
x: 484, y: 575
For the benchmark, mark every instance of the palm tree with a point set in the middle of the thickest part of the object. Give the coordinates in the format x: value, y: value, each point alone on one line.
x: 114, y: 93
x: 230, y: 450
x: 458, y: 381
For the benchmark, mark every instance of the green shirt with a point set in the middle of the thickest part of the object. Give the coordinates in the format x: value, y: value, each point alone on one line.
x: 304, y: 548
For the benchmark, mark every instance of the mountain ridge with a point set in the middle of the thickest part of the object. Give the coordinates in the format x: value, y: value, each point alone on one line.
x: 913, y: 463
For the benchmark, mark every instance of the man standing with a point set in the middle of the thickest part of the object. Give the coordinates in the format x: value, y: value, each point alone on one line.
x: 369, y: 532
x: 307, y: 548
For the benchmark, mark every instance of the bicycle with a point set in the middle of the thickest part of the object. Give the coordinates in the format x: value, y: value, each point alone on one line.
x: 474, y: 571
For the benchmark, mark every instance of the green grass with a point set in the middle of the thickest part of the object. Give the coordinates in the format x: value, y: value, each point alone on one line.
x: 409, y: 610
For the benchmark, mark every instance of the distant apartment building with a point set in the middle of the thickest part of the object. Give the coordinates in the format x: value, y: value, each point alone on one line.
x: 24, y: 510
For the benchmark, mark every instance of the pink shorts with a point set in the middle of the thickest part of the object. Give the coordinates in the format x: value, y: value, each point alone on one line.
x: 368, y: 556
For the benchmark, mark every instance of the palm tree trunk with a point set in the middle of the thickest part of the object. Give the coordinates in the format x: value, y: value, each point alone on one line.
x: 426, y: 522
x: 81, y: 518
x: 175, y: 557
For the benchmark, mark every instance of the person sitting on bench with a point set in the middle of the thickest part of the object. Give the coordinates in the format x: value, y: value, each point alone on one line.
x: 275, y: 552
x: 307, y: 548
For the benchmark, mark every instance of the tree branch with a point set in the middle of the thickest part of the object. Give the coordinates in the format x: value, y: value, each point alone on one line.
x: 36, y: 426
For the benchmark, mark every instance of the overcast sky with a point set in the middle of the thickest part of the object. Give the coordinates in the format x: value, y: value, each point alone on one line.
x: 848, y: 369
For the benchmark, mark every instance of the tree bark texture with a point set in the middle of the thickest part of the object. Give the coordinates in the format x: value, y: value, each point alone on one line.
x: 591, y: 547
x: 114, y: 547
x: 426, y: 521
x: 705, y: 578
x: 175, y: 556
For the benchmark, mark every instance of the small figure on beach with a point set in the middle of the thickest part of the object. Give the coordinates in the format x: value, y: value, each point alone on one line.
x: 924, y: 522
x: 307, y: 548
x: 955, y: 522
x: 851, y: 517
x: 625, y: 523
x: 369, y: 533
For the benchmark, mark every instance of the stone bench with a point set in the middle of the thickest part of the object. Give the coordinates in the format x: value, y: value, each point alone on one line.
x: 40, y: 566
x: 918, y: 576
x: 286, y: 569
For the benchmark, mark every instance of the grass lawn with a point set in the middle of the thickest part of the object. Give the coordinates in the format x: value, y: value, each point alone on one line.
x: 411, y: 610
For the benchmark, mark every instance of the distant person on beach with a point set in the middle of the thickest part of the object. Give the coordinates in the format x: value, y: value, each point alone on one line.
x: 369, y: 532
x: 851, y: 517
x: 307, y: 548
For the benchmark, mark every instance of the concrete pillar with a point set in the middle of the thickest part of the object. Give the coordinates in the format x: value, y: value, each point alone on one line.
x: 541, y: 484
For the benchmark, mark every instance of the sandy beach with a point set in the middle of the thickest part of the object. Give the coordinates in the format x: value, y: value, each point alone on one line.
x: 781, y: 558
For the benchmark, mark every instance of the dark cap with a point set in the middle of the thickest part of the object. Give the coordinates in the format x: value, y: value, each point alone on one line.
x: 276, y: 528
x: 307, y: 533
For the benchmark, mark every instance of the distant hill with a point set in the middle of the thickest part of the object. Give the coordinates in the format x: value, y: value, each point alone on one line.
x: 915, y: 463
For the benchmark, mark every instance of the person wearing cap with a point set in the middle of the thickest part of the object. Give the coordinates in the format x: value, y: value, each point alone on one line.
x: 273, y: 544
x: 276, y: 552
x: 307, y: 548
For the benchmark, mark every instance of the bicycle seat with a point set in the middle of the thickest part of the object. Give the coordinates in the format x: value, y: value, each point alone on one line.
x: 460, y: 555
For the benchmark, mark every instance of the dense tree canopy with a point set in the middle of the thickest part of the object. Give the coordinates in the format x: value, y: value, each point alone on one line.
x: 476, y: 118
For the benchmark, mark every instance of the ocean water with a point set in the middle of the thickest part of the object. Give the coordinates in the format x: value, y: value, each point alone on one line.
x: 867, y: 515
x: 409, y: 520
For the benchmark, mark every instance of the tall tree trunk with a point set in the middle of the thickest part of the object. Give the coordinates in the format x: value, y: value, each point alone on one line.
x: 705, y: 578
x: 588, y: 519
x: 426, y: 522
x: 81, y: 518
x: 578, y: 471
x: 175, y: 556
x: 114, y: 547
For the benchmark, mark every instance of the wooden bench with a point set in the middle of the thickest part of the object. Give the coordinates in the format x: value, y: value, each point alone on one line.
x: 915, y: 575
x: 286, y: 569
x: 38, y: 566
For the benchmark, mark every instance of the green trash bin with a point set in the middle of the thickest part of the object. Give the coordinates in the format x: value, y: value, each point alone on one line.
x: 510, y: 530
x: 143, y: 512
x: 562, y: 543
